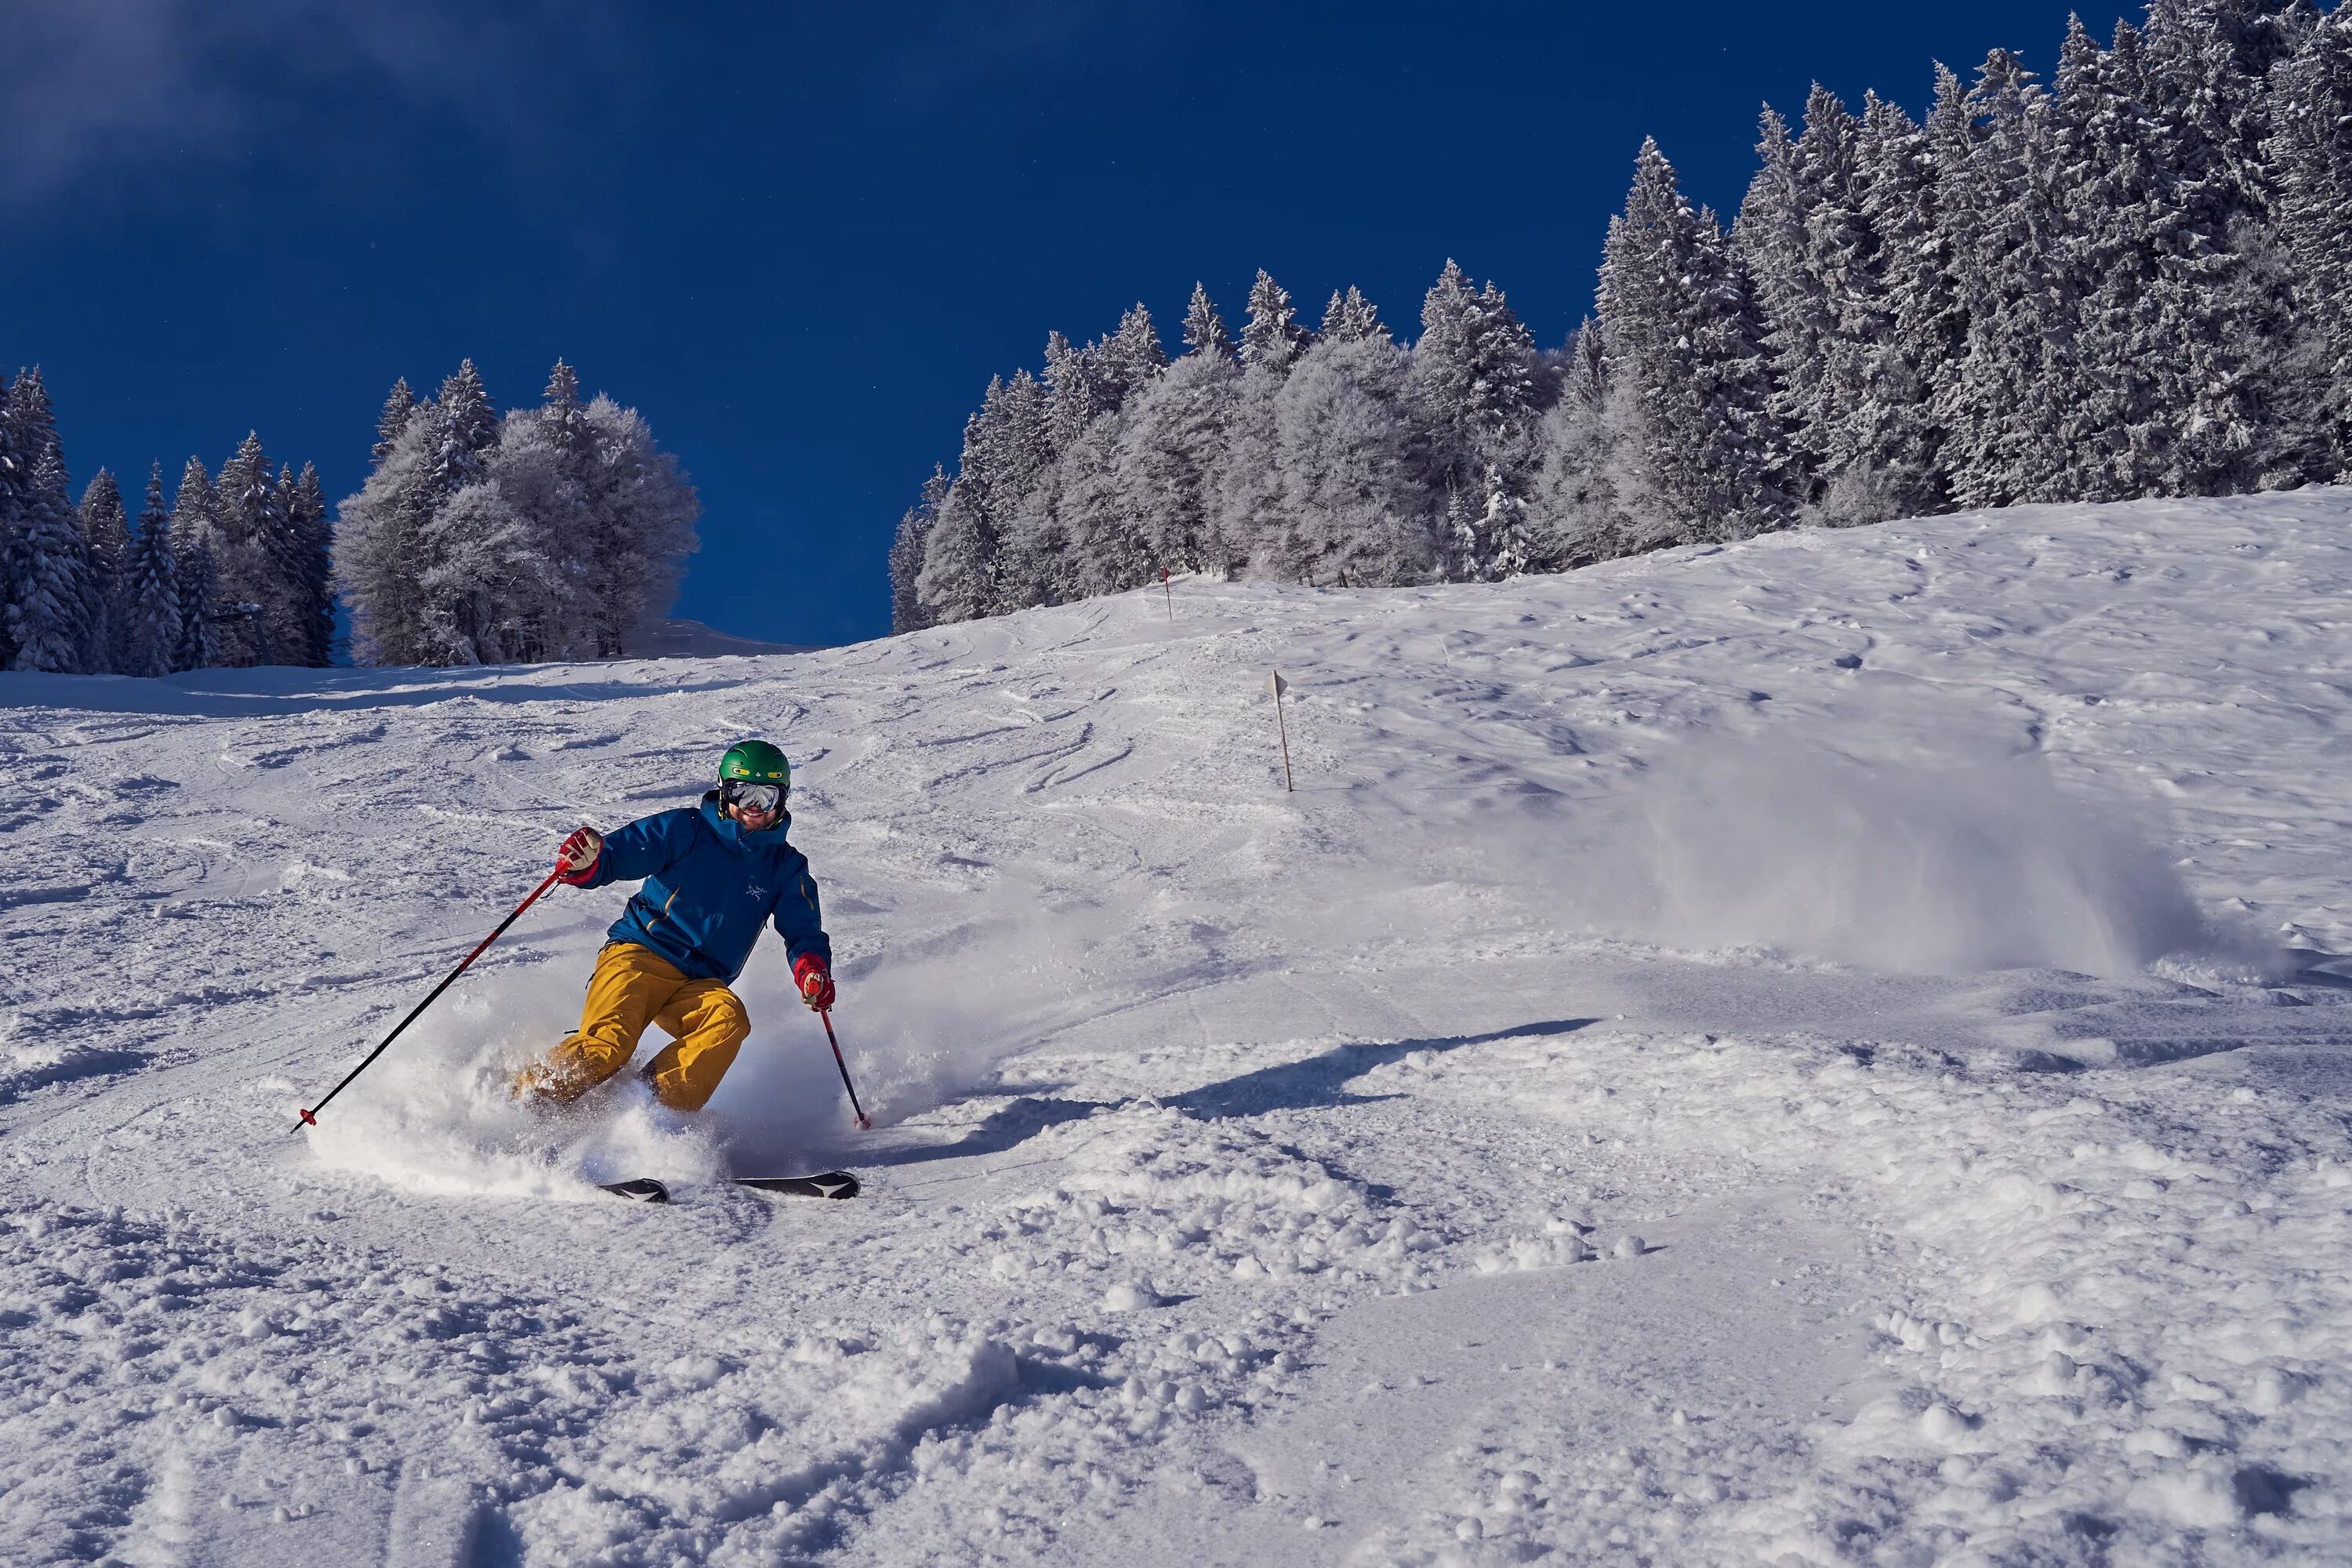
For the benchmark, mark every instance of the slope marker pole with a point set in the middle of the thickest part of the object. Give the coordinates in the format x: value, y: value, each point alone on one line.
x: 1275, y: 684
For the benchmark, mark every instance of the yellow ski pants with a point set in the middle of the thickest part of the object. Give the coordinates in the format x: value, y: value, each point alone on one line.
x: 634, y: 986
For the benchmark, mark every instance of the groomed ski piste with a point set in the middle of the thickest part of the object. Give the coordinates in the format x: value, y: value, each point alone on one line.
x: 1820, y: 1050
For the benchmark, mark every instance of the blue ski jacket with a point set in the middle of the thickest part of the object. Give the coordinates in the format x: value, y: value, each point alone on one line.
x: 709, y: 886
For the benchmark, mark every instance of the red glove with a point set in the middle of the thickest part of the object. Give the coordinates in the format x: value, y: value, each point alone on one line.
x: 576, y: 862
x: 814, y: 977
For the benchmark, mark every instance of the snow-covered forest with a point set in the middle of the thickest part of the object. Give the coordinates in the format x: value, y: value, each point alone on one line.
x: 2133, y: 281
x: 234, y: 571
x: 558, y: 532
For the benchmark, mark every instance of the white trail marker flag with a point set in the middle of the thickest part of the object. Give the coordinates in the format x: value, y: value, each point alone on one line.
x: 1276, y: 685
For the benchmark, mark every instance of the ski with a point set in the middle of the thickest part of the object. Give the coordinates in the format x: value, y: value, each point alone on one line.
x: 830, y: 1185
x: 643, y: 1190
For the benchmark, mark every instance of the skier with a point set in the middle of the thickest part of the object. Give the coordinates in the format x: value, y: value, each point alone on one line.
x: 710, y: 878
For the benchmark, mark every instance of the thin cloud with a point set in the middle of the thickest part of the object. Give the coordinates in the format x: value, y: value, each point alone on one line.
x: 93, y: 89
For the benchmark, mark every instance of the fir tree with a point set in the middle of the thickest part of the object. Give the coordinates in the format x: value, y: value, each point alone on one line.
x: 1799, y: 326
x: 1074, y: 397
x: 2005, y: 408
x: 246, y: 546
x: 642, y: 508
x: 1166, y: 461
x: 1272, y: 339
x: 106, y: 546
x: 309, y: 569
x: 907, y: 553
x: 1477, y: 368
x: 2310, y: 150
x: 48, y: 622
x: 195, y: 531
x: 1091, y: 542
x: 1351, y: 465
x: 1245, y: 487
x: 1574, y: 516
x: 380, y: 549
x: 564, y: 417
x: 1695, y: 429
x: 465, y: 426
x: 959, y: 580
x: 1349, y: 318
x: 1132, y: 356
x: 1888, y: 460
x: 397, y: 407
x: 1204, y: 330
x: 151, y: 639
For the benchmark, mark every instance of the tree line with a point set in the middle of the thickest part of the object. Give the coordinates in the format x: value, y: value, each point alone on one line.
x: 233, y: 571
x: 2134, y: 280
x: 558, y: 532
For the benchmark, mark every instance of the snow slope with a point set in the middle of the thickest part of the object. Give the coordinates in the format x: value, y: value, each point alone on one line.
x: 1823, y: 1050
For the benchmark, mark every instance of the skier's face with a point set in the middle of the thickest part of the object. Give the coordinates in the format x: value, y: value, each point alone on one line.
x: 754, y: 819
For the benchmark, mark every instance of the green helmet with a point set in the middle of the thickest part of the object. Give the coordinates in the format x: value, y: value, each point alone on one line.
x: 754, y: 761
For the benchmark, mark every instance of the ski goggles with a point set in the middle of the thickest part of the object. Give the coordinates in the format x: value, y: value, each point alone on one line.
x: 760, y: 797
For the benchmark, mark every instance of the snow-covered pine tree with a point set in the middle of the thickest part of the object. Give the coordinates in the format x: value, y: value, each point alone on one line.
x: 1204, y: 330
x: 1349, y: 318
x: 1800, y: 323
x: 397, y: 406
x: 1132, y: 356
x: 1482, y: 380
x: 194, y: 527
x: 2310, y: 155
x: 1809, y: 246
x: 907, y: 549
x: 1009, y: 469
x: 1888, y: 458
x: 1096, y: 544
x: 959, y: 579
x: 1573, y: 516
x: 149, y: 643
x: 2241, y: 382
x: 49, y: 620
x: 1244, y: 491
x: 248, y: 524
x: 106, y: 547
x: 2207, y: 64
x: 308, y: 565
x: 2107, y: 197
x: 379, y: 548
x: 1693, y: 430
x: 1272, y: 339
x: 1172, y: 437
x: 562, y: 413
x: 466, y: 427
x: 1073, y: 393
x: 2007, y: 407
x: 642, y: 508
x: 473, y: 560
x: 1353, y: 444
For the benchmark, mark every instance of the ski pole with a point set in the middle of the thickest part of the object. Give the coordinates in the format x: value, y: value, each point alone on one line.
x: 310, y: 1117
x: 864, y: 1123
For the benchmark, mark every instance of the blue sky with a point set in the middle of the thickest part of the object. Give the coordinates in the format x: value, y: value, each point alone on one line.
x: 803, y: 240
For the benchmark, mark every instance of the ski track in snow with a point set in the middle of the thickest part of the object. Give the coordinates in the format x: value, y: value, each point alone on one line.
x: 1826, y: 1050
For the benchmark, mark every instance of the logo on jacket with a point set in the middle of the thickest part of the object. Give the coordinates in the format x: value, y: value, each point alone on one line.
x: 755, y: 891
